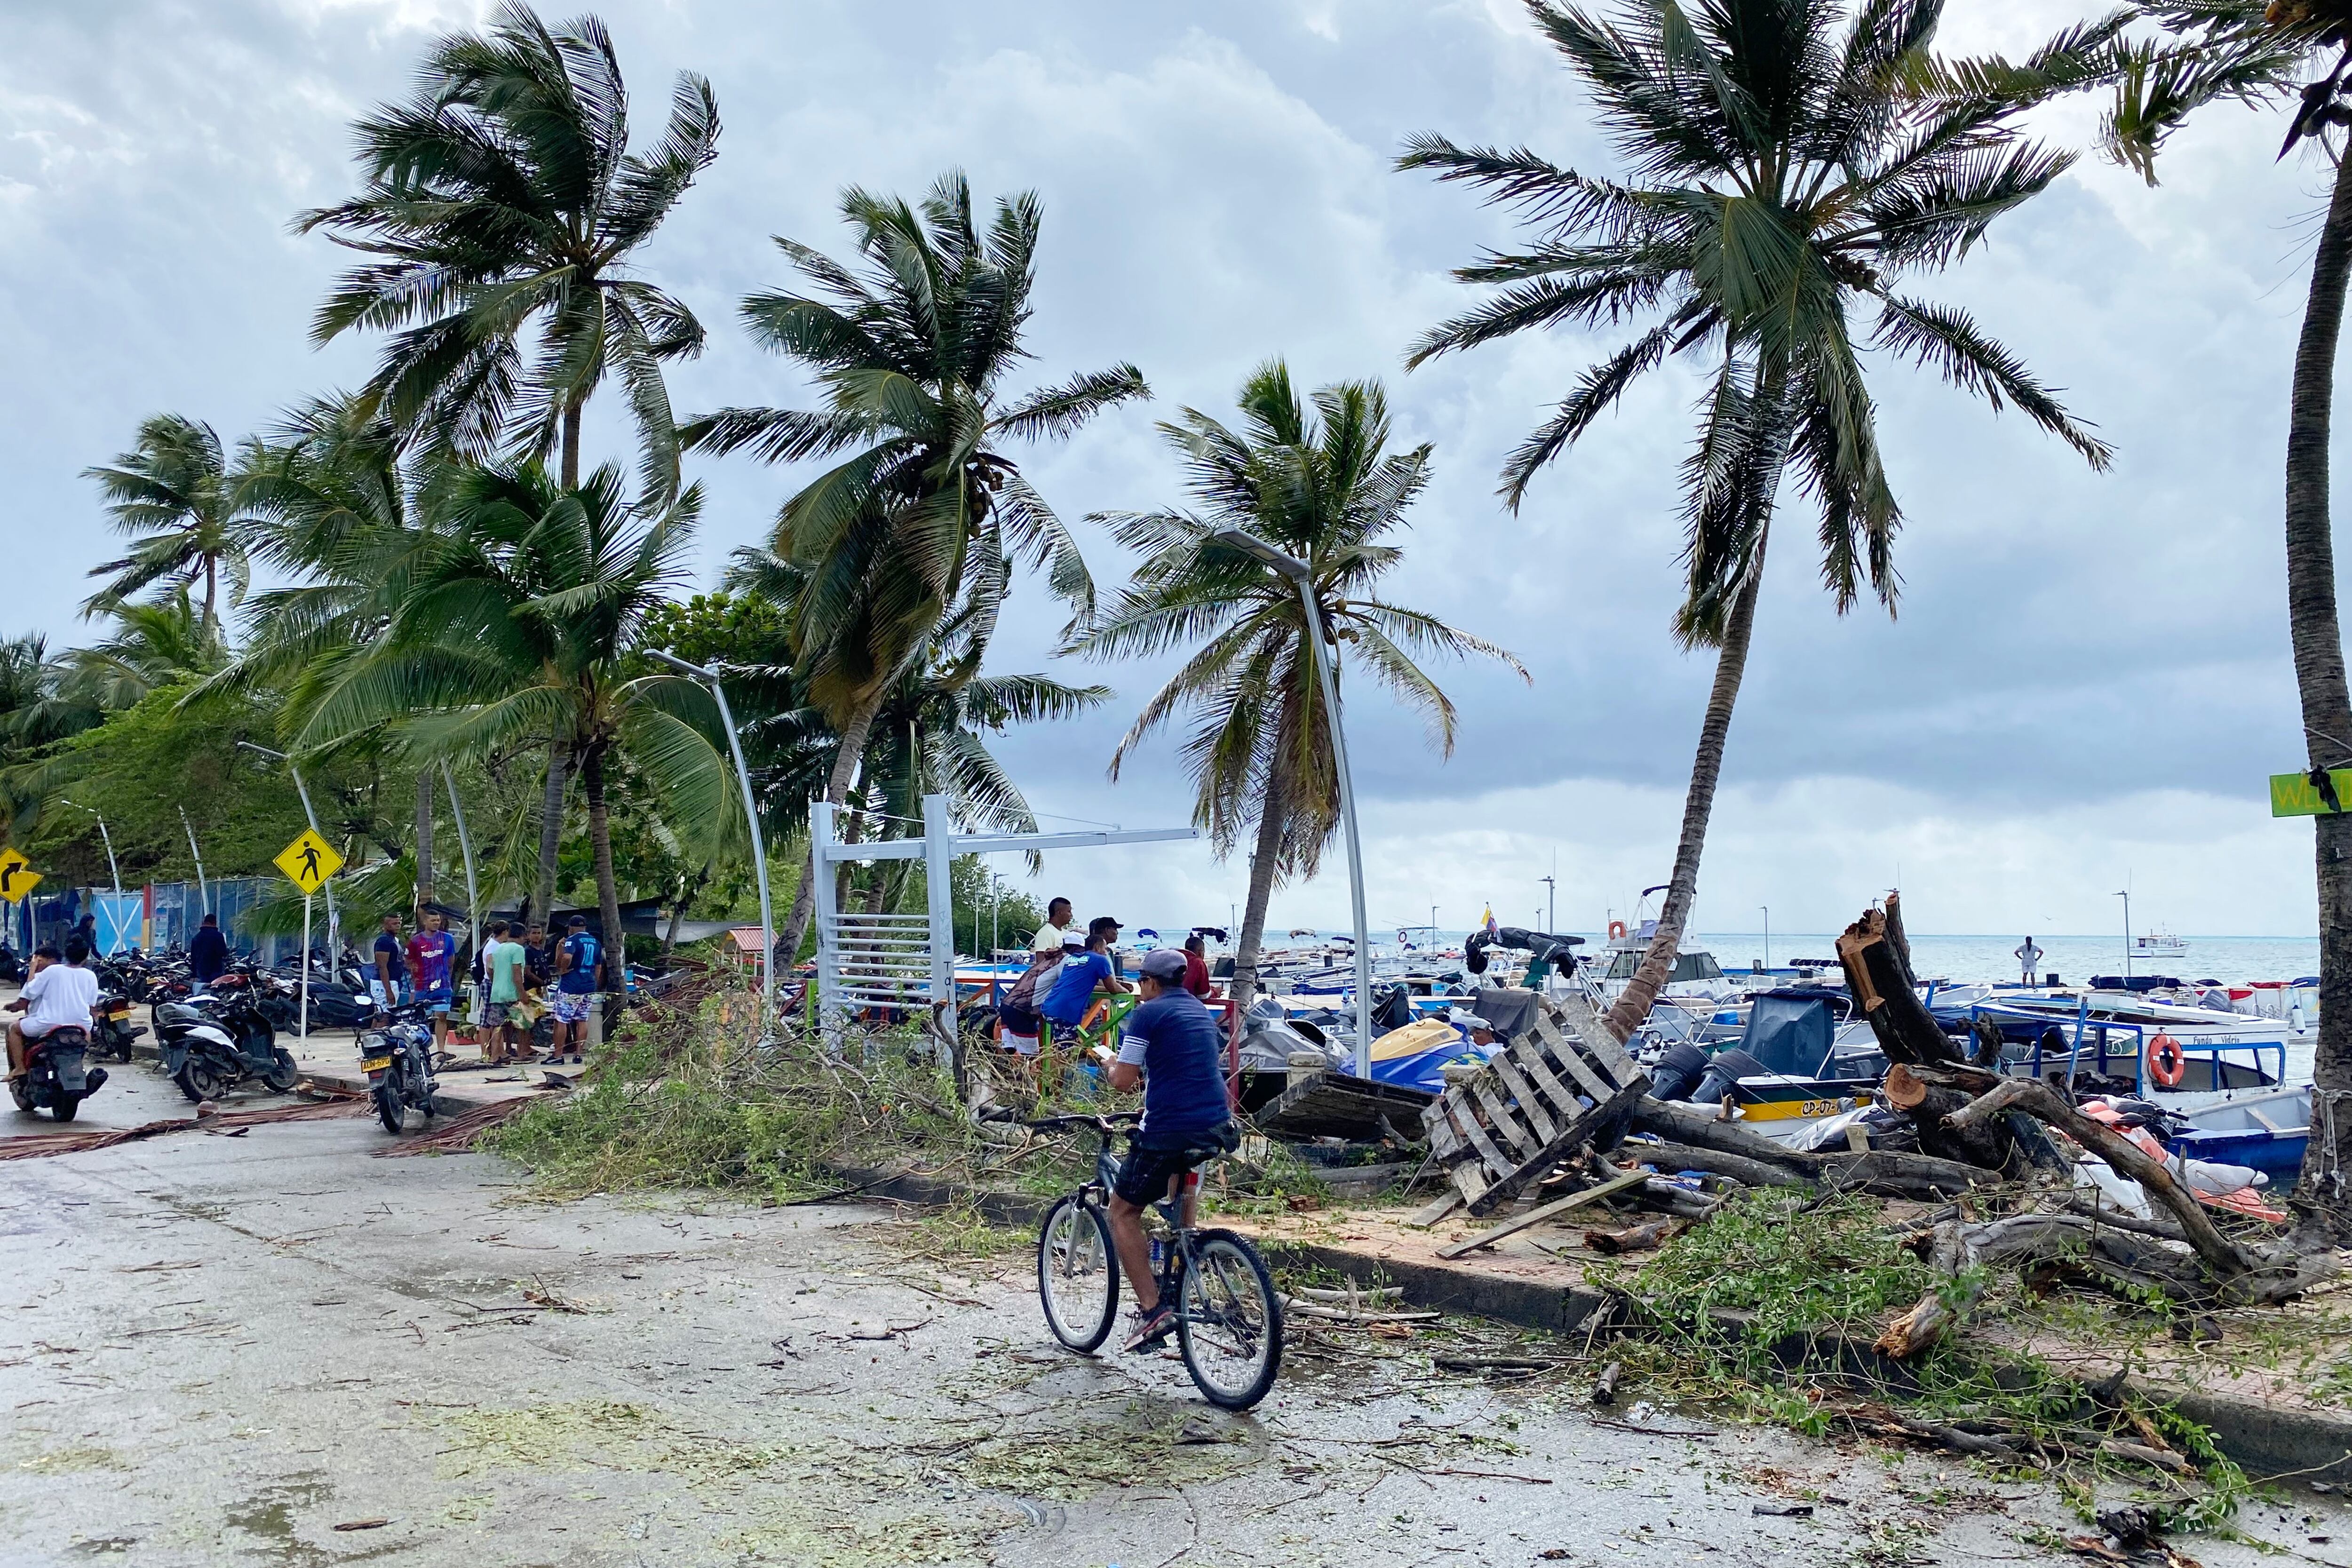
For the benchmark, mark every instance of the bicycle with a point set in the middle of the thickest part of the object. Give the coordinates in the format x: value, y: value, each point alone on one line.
x: 1228, y: 1318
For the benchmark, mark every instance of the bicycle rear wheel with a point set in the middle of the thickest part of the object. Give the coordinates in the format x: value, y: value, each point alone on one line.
x: 1229, y: 1322
x: 1077, y: 1274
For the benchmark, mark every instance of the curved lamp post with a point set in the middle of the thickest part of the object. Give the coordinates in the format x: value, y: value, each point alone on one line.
x: 710, y: 677
x: 1302, y: 577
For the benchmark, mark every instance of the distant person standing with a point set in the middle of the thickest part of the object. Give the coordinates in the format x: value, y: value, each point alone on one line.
x: 1196, y: 967
x: 432, y: 959
x: 576, y: 964
x: 207, y: 952
x: 391, y: 965
x: 2028, y: 959
x: 503, y: 963
x: 1058, y: 926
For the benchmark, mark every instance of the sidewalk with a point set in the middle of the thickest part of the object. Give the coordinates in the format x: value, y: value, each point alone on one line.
x: 331, y: 1058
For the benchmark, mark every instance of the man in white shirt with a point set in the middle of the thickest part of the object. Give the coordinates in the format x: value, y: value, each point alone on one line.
x: 57, y: 995
x: 1056, y: 927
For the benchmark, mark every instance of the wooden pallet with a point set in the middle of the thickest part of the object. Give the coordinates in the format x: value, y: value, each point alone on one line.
x: 1534, y: 1103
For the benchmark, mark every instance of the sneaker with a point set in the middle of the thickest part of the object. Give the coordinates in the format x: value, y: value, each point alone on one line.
x: 1151, y: 1330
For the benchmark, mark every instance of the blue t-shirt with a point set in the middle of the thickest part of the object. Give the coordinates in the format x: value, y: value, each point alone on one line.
x: 1075, y: 987
x: 581, y: 978
x: 1174, y: 1040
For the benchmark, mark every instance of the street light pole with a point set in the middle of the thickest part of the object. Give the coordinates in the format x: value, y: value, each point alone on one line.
x: 334, y: 919
x: 752, y: 823
x: 465, y: 848
x: 204, y: 896
x: 2125, y: 897
x: 1302, y: 578
x: 113, y: 871
x: 1768, y: 934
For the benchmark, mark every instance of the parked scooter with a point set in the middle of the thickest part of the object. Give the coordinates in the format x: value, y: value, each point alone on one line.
x: 209, y: 1047
x: 112, y: 1033
x: 398, y: 1060
x: 57, y: 1074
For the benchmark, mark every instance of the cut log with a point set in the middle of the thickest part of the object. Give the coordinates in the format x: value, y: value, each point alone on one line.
x: 1685, y: 1123
x: 1946, y: 1126
x: 1878, y: 975
x: 1632, y: 1238
x: 1741, y: 1168
x: 1604, y: 1387
x: 1879, y: 1172
x: 1889, y: 1174
x: 1543, y: 1212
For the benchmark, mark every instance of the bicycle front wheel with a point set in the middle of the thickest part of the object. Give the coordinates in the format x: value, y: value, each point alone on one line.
x: 1229, y: 1322
x: 1077, y: 1274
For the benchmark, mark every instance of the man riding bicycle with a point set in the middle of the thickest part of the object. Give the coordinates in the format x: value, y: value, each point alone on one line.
x: 1170, y: 1044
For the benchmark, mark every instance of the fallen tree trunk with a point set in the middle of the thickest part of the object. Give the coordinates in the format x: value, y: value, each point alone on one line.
x: 2241, y: 1273
x: 2058, y: 1243
x: 1879, y: 1172
x: 1742, y: 1168
x: 1945, y: 1126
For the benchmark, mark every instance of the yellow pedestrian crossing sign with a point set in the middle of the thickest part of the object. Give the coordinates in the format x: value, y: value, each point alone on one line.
x: 309, y: 861
x: 17, y: 877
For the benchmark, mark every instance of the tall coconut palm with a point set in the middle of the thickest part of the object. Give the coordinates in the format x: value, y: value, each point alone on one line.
x: 1323, y: 487
x: 504, y: 195
x: 1786, y: 166
x: 2297, y: 52
x: 518, y: 624
x: 173, y: 496
x: 931, y: 515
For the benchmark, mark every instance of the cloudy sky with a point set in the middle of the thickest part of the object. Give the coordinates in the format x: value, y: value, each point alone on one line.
x: 2089, y: 678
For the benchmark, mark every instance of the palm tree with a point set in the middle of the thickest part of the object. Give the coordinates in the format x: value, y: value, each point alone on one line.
x: 172, y: 495
x: 501, y: 194
x: 518, y: 624
x: 346, y: 522
x: 1784, y: 167
x: 931, y: 515
x: 2246, y: 51
x: 1324, y: 487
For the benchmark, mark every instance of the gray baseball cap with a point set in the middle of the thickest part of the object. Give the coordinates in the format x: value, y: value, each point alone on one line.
x: 1163, y: 963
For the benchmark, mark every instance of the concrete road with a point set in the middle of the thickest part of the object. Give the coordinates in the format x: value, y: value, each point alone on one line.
x: 221, y: 1349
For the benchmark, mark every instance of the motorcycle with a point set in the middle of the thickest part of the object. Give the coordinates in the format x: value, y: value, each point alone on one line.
x: 12, y: 965
x: 398, y: 1061
x: 113, y: 1031
x: 57, y: 1074
x: 210, y: 1046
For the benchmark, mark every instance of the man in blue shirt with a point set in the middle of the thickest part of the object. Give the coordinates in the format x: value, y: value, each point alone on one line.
x: 575, y: 989
x: 1081, y: 972
x: 1172, y: 1045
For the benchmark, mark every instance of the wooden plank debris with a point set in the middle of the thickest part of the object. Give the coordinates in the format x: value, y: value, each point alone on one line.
x: 1341, y: 1105
x: 1543, y: 1212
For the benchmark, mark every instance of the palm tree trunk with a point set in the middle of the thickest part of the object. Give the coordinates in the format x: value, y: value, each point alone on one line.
x: 424, y: 837
x: 1265, y: 862
x: 600, y: 839
x: 1682, y: 887
x: 2323, y: 1198
x: 212, y: 572
x: 572, y: 448
x: 551, y: 831
x: 846, y: 756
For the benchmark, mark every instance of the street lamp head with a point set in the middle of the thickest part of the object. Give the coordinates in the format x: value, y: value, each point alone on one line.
x: 1257, y: 549
x: 678, y: 664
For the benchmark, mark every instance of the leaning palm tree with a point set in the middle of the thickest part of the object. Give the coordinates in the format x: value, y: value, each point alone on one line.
x: 519, y: 624
x: 173, y: 496
x: 931, y: 515
x: 503, y: 194
x: 2295, y: 52
x: 1322, y: 487
x: 1786, y: 166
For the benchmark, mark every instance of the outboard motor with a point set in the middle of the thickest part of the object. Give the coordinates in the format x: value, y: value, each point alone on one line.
x: 1678, y: 1072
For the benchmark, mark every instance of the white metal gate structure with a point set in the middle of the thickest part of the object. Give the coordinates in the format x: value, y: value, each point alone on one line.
x: 907, y: 962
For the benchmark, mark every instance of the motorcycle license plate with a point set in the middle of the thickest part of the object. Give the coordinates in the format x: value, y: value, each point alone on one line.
x: 375, y: 1064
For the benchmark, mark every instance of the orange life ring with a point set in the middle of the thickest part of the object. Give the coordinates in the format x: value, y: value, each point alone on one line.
x: 2166, y: 1062
x: 1616, y: 931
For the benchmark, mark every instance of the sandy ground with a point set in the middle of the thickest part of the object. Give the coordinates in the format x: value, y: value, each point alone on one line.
x: 219, y: 1350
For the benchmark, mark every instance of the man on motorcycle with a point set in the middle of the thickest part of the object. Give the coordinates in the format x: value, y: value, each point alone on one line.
x: 58, y: 996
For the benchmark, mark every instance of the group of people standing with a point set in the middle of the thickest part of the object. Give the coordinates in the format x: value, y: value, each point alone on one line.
x: 520, y: 971
x: 1067, y: 970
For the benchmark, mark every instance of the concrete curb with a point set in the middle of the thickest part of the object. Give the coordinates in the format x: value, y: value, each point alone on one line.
x: 2266, y: 1442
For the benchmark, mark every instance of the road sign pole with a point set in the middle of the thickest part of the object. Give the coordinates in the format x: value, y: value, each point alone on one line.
x: 304, y: 1028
